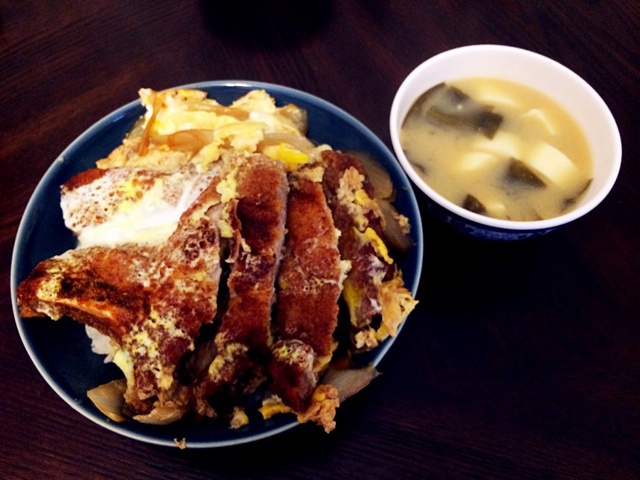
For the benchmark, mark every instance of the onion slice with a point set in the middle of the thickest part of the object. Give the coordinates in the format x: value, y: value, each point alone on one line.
x: 394, y: 232
x: 156, y: 105
x: 298, y: 116
x: 192, y: 140
x: 109, y: 399
x: 162, y: 415
x: 205, y: 106
x: 378, y: 176
x: 350, y: 381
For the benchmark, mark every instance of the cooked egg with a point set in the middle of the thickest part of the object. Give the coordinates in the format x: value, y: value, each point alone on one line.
x: 130, y: 206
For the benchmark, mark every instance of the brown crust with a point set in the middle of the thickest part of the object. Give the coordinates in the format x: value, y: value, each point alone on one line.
x: 96, y: 286
x: 309, y: 289
x: 245, y: 327
x: 292, y: 375
x: 83, y: 178
x: 144, y: 298
x: 310, y: 274
x: 262, y: 206
x: 162, y: 296
x: 362, y: 276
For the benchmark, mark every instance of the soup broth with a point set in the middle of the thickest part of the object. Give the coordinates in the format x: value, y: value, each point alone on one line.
x: 498, y: 148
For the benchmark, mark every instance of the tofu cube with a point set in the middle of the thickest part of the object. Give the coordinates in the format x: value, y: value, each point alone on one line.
x: 552, y: 164
x: 502, y: 145
x: 536, y: 119
x: 476, y: 161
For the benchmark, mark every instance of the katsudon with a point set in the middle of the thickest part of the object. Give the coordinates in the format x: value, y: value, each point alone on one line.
x: 221, y: 255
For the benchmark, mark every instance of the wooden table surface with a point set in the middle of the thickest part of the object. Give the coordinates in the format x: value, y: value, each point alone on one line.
x: 522, y: 359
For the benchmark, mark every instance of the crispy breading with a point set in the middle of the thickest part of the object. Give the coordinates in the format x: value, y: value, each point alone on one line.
x: 373, y: 289
x: 309, y: 280
x: 309, y: 289
x: 262, y: 207
x: 245, y: 328
x: 151, y: 301
x: 101, y: 287
x: 292, y: 373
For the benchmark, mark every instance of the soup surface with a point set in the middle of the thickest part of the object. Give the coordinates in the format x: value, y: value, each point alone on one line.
x: 498, y: 148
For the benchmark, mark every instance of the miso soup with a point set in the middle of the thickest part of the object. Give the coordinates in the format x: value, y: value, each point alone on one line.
x: 498, y: 148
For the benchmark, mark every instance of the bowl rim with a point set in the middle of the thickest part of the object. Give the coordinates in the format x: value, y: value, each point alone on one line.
x: 397, y: 116
x: 114, y: 116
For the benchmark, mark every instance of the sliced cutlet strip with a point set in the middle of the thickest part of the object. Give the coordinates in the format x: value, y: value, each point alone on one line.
x: 309, y: 289
x: 185, y: 296
x: 373, y: 289
x: 261, y: 210
x: 309, y: 279
x: 245, y: 328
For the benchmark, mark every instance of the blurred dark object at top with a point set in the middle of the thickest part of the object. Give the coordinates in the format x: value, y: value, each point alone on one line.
x: 266, y: 23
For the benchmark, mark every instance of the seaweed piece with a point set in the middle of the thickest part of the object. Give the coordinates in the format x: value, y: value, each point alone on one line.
x: 518, y: 171
x: 570, y: 202
x: 450, y: 107
x: 474, y: 205
x: 488, y: 123
x: 421, y: 168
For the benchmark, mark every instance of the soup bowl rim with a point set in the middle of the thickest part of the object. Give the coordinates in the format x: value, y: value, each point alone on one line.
x: 408, y: 92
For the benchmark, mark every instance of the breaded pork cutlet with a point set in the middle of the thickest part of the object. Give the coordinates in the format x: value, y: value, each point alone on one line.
x: 309, y: 286
x: 374, y: 291
x: 150, y: 301
x: 245, y: 328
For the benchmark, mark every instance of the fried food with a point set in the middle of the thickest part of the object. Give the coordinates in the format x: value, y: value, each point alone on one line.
x: 309, y: 289
x: 216, y: 244
x: 149, y: 300
x: 373, y: 289
x: 244, y: 333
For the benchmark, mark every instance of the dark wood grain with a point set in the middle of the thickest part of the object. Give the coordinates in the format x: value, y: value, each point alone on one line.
x: 521, y: 361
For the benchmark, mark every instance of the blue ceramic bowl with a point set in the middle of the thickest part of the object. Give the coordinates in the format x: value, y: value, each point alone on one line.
x: 61, y: 350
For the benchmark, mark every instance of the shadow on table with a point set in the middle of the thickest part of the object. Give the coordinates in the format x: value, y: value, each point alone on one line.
x: 266, y: 23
